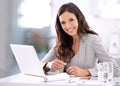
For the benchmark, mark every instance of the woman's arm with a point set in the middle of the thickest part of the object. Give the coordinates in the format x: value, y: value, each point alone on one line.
x: 50, y: 56
x: 103, y: 55
x: 77, y: 71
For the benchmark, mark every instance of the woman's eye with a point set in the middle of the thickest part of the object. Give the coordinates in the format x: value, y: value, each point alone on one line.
x: 71, y: 19
x: 62, y: 22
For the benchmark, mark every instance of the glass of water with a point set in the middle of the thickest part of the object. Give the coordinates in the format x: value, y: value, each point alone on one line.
x: 109, y: 70
x: 105, y: 71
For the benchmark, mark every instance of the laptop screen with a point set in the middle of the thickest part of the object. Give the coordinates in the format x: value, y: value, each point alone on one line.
x: 27, y: 59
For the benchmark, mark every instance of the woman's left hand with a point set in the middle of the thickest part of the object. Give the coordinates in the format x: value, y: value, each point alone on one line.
x: 77, y: 71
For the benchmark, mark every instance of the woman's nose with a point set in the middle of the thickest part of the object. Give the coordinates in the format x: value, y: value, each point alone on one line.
x: 67, y: 25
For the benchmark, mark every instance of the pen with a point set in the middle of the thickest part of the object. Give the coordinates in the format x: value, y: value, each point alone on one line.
x: 44, y: 77
x: 35, y: 75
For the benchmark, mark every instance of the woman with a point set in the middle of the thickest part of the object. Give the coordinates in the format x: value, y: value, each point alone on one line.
x: 78, y: 48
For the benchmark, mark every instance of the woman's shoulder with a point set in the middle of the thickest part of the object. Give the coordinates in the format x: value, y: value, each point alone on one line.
x: 90, y: 37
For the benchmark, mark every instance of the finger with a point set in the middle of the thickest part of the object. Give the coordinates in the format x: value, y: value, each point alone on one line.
x: 70, y: 70
x: 56, y: 66
x: 60, y: 62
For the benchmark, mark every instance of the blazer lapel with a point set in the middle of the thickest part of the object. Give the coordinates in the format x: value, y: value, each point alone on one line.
x: 82, y: 53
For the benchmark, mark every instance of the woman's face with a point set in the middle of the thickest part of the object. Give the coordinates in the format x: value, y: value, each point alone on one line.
x: 69, y: 23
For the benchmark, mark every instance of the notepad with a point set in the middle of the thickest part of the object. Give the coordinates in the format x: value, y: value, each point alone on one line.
x: 30, y: 65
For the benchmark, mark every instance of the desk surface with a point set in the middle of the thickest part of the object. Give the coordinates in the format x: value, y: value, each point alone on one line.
x: 21, y: 80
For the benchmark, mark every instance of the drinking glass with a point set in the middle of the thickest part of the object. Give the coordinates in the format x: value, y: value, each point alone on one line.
x: 105, y: 71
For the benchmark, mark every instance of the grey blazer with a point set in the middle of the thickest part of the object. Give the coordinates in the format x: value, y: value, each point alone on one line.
x: 91, y: 52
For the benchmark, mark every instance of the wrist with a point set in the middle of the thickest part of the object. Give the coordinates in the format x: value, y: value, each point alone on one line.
x: 87, y: 73
x: 49, y: 65
x: 46, y: 68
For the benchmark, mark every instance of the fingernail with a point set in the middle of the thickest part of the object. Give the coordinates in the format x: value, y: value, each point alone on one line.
x: 65, y: 63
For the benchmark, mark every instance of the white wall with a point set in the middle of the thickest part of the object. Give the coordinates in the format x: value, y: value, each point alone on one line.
x: 105, y: 28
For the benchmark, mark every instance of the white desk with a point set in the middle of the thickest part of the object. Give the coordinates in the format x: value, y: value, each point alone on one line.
x: 20, y: 80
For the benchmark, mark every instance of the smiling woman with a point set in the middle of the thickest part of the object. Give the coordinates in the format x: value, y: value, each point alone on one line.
x: 32, y: 14
x: 78, y: 49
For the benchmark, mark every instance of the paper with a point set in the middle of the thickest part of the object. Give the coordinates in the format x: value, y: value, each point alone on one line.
x: 56, y: 77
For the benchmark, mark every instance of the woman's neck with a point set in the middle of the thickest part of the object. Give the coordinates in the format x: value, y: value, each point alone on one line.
x: 76, y: 43
x: 76, y: 39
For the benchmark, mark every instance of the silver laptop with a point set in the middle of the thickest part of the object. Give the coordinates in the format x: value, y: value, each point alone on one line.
x: 27, y: 59
x: 30, y: 64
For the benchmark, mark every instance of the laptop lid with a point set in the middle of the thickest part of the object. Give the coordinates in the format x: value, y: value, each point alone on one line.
x: 27, y: 59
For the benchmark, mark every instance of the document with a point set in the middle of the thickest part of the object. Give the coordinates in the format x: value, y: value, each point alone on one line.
x: 48, y: 78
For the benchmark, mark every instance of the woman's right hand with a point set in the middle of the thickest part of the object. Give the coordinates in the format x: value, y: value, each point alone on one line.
x: 56, y: 64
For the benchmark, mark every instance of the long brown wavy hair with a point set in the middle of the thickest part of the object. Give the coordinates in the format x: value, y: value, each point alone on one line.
x: 64, y: 41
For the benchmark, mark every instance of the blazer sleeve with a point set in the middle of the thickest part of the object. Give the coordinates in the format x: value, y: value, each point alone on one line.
x: 51, y: 55
x: 48, y: 57
x: 102, y: 56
